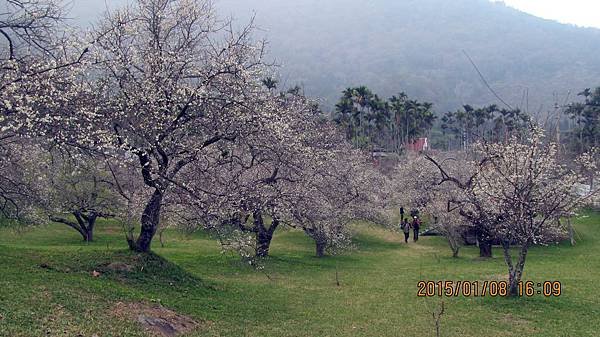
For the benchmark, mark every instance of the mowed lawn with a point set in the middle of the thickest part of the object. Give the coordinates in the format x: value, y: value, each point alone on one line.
x: 46, y: 286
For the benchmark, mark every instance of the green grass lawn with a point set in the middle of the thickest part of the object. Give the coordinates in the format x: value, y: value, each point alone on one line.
x: 46, y: 287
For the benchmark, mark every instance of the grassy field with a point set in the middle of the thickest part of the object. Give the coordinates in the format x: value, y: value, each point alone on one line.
x: 46, y: 287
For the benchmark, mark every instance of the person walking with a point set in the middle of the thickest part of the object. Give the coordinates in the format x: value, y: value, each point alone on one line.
x: 416, y: 224
x: 405, y: 225
x: 401, y: 215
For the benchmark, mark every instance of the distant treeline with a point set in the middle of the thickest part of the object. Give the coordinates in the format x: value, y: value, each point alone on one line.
x: 371, y: 122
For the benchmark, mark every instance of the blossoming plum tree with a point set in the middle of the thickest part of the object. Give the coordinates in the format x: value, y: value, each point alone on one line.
x: 523, y: 188
x: 35, y: 75
x: 528, y: 187
x: 80, y: 186
x: 171, y: 83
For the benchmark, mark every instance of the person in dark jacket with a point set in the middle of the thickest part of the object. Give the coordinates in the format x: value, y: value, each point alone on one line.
x: 416, y: 224
x: 405, y: 225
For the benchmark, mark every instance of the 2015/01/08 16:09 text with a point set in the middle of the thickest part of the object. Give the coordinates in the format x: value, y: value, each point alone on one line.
x: 486, y: 288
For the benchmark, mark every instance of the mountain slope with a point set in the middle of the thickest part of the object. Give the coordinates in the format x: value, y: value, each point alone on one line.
x: 417, y: 46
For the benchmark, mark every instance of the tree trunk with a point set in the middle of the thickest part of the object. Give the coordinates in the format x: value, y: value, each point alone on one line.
x: 320, y: 247
x: 160, y: 238
x: 453, y: 242
x: 84, y: 224
x: 485, y: 249
x: 515, y: 271
x: 571, y: 231
x: 263, y: 244
x: 455, y: 248
x: 150, y: 221
x: 263, y: 235
x: 484, y: 243
x: 91, y: 222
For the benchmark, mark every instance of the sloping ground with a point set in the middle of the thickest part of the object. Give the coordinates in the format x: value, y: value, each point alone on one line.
x: 51, y: 284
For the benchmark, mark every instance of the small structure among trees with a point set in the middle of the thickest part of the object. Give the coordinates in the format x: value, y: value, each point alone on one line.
x: 418, y: 145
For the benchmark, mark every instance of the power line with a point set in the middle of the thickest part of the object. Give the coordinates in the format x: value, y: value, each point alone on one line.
x: 484, y: 80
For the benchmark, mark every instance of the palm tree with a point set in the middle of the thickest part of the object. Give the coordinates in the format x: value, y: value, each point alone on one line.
x: 270, y: 83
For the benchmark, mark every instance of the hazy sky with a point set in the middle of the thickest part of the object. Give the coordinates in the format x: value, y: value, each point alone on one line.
x: 579, y: 12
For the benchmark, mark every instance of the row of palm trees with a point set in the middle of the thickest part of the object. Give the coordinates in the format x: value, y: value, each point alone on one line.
x: 586, y: 115
x: 374, y: 123
x: 490, y: 123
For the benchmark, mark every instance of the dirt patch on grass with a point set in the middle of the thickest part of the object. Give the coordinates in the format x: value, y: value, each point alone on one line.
x: 522, y: 324
x: 124, y: 264
x: 512, y: 319
x: 112, y: 230
x: 156, y: 320
x: 120, y: 266
x: 418, y: 246
x: 498, y: 277
x: 493, y: 278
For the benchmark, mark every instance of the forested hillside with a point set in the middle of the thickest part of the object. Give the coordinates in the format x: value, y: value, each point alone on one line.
x: 417, y: 46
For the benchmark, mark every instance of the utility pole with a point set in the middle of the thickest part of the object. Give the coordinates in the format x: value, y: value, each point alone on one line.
x: 557, y: 113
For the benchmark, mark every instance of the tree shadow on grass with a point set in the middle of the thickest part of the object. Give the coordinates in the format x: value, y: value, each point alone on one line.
x: 536, y: 307
x: 308, y: 259
x: 286, y: 262
x: 366, y: 242
x: 143, y: 271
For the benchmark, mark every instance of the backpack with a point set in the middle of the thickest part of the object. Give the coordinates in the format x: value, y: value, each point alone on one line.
x: 416, y: 224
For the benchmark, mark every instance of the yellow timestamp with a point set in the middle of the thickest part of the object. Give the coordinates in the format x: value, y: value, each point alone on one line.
x: 546, y: 288
x: 487, y: 288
